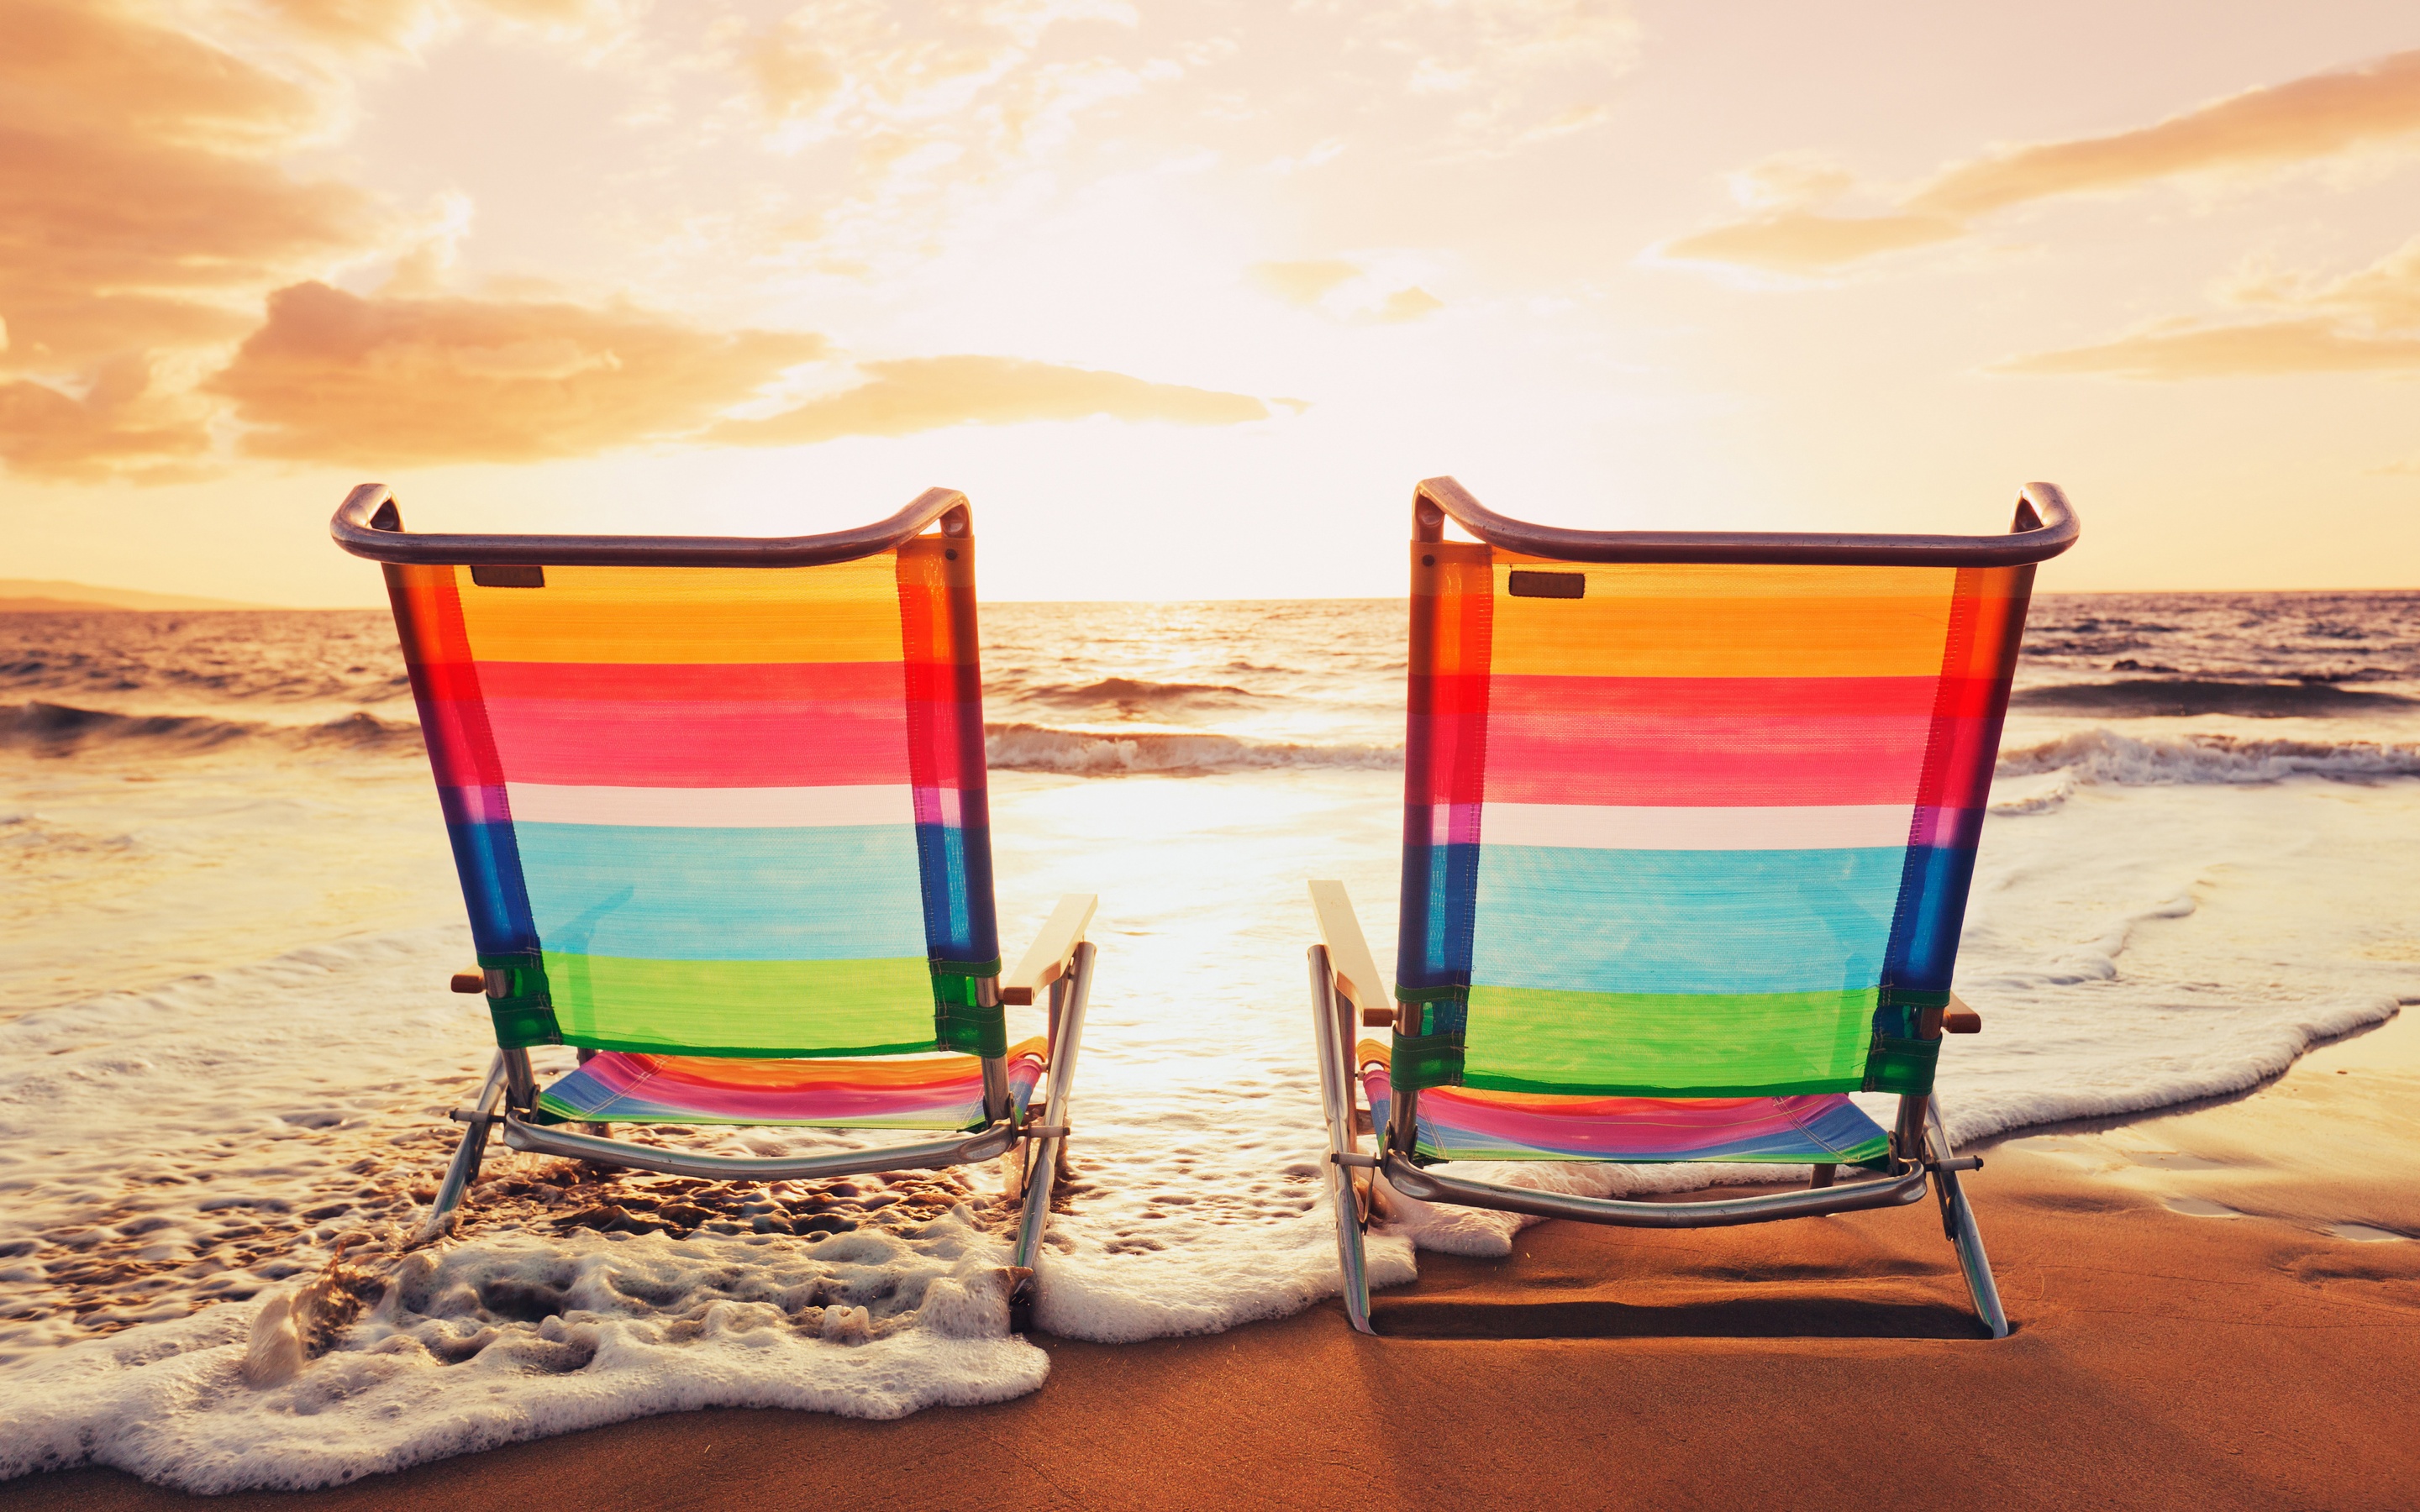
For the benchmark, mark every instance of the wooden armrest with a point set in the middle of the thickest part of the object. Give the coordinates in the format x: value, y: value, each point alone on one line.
x: 1046, y: 962
x: 469, y: 981
x: 1348, y: 954
x: 1959, y: 1019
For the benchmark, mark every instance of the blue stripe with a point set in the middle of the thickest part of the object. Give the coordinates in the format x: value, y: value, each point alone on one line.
x: 959, y: 924
x: 490, y: 870
x: 1932, y: 907
x: 1684, y: 922
x: 1433, y: 939
x: 843, y: 893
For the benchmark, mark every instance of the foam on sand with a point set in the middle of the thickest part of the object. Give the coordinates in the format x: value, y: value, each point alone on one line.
x: 522, y: 1338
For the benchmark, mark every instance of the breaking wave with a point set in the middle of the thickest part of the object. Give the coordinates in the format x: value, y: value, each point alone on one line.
x: 1136, y: 695
x: 2151, y: 698
x: 1032, y: 747
x: 63, y: 730
x: 2103, y: 756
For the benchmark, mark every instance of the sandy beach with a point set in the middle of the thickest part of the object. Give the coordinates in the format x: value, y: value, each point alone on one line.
x: 2212, y: 1309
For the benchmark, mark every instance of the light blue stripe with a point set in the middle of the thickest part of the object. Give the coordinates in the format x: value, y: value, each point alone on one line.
x: 657, y: 892
x: 1684, y: 921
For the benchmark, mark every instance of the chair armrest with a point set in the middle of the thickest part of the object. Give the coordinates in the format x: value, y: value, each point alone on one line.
x: 1047, y: 960
x: 1348, y: 954
x: 1959, y: 1019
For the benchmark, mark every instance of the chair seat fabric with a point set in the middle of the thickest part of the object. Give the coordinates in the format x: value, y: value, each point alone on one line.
x: 1467, y: 1123
x: 921, y: 1092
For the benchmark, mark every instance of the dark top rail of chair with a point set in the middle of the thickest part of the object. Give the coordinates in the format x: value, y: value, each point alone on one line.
x: 367, y: 524
x: 2044, y: 527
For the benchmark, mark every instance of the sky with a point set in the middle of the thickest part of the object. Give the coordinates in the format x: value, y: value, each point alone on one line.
x: 1187, y: 296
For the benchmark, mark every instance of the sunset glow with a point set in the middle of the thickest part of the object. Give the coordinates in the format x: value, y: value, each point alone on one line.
x: 1187, y: 296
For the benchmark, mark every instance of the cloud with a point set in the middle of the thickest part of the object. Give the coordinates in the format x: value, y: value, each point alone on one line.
x: 1303, y: 283
x: 929, y: 393
x: 1504, y: 73
x: 2373, y: 107
x: 1802, y: 243
x: 928, y: 123
x: 2256, y: 349
x: 1408, y: 304
x: 2366, y: 321
x: 401, y: 381
x: 117, y: 425
x: 1345, y: 290
x: 138, y: 204
x: 412, y: 24
x: 384, y: 383
x: 2316, y: 116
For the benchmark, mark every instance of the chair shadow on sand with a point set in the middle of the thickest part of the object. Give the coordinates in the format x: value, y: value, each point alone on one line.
x: 1875, y: 1279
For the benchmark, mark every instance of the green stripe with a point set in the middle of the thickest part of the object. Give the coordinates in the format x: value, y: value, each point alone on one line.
x: 966, y: 968
x: 743, y: 1007
x: 1900, y: 1065
x: 1667, y: 1045
x: 1426, y: 1060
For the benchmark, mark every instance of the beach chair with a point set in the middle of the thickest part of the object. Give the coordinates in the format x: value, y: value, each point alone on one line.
x: 1688, y: 825
x: 718, y: 806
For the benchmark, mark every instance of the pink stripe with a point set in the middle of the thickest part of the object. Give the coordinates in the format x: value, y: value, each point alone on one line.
x: 1773, y: 760
x: 698, y: 743
x: 1615, y: 1127
x: 643, y: 1089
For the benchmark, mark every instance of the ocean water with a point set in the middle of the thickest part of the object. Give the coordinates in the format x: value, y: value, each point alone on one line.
x: 226, y: 1042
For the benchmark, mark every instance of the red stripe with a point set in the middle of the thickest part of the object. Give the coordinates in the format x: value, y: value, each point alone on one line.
x: 1978, y: 664
x: 698, y: 743
x: 1708, y: 742
x: 436, y: 652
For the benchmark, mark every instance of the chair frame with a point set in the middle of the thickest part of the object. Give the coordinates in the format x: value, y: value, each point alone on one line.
x: 1346, y: 991
x: 1058, y: 965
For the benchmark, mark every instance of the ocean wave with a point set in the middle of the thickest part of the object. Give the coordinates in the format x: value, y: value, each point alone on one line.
x: 63, y: 730
x: 2106, y: 757
x: 1136, y: 694
x: 1032, y: 747
x: 2138, y: 698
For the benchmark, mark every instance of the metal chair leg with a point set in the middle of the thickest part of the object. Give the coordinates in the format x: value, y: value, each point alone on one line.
x: 1336, y: 1097
x: 1044, y: 1162
x: 1957, y: 1222
x: 464, y: 1168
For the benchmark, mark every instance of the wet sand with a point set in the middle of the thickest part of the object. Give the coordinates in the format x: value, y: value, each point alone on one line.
x: 2213, y: 1309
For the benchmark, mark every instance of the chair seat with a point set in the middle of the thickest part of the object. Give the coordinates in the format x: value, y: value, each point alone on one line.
x: 906, y: 1092
x: 1466, y: 1123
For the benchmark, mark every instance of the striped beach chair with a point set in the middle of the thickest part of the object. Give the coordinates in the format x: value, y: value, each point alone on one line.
x: 1688, y: 826
x: 718, y: 806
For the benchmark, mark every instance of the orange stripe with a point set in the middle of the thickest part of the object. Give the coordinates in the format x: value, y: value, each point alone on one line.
x: 844, y: 612
x: 1693, y: 620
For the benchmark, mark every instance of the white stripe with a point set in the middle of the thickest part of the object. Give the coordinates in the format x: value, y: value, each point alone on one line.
x: 1591, y: 827
x: 712, y: 807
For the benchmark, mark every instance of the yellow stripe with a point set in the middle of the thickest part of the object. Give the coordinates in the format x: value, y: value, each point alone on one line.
x: 1694, y: 619
x: 844, y: 611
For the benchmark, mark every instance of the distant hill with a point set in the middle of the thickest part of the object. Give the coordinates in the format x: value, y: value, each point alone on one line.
x: 32, y: 595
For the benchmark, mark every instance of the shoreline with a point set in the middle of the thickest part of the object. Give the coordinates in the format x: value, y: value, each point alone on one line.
x: 2220, y: 1304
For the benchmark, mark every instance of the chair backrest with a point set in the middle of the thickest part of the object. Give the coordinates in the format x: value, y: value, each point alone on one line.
x: 716, y: 810
x: 1695, y: 828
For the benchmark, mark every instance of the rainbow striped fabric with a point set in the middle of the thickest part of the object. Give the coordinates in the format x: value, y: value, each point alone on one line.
x: 1691, y: 830
x: 716, y: 811
x: 1467, y: 1123
x: 916, y: 1092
